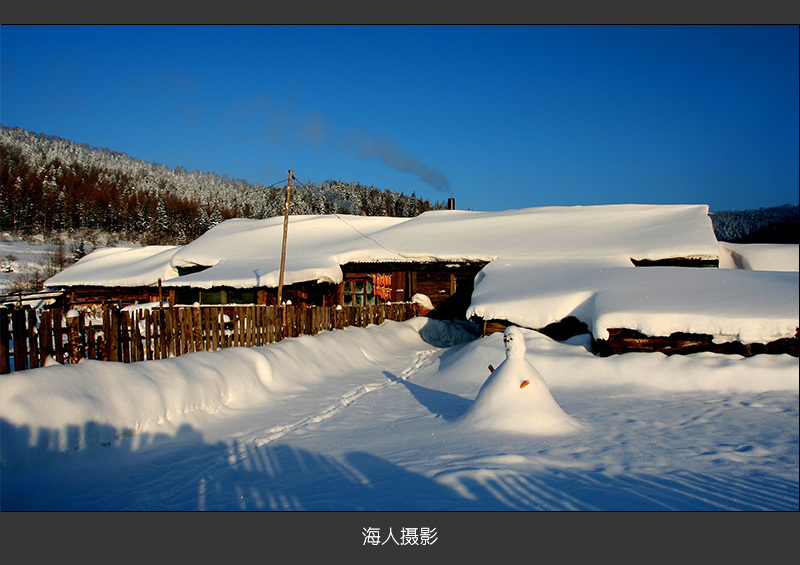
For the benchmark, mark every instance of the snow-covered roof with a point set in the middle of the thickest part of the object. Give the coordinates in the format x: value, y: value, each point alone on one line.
x: 730, y: 304
x: 543, y: 264
x: 119, y: 266
x: 246, y: 253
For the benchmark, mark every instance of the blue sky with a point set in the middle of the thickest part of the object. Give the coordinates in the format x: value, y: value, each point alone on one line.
x: 497, y: 117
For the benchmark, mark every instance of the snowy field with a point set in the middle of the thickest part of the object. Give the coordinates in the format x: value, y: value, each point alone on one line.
x: 389, y: 417
x: 374, y: 419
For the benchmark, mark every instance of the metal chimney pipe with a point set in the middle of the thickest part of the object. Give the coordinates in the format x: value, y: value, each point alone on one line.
x: 451, y: 203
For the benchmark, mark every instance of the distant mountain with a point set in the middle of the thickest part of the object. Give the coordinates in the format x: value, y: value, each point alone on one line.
x: 779, y: 224
x: 49, y: 184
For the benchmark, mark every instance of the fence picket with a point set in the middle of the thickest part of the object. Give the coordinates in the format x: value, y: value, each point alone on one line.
x: 5, y: 338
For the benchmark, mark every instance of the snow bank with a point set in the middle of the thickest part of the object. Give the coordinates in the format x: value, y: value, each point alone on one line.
x: 62, y: 408
x: 68, y: 407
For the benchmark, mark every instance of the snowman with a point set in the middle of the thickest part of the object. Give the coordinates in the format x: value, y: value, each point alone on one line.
x: 515, y: 397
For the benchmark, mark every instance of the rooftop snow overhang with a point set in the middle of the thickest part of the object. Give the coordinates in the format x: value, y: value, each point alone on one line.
x: 246, y: 253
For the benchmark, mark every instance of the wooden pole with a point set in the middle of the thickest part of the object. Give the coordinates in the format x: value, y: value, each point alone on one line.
x: 285, y: 232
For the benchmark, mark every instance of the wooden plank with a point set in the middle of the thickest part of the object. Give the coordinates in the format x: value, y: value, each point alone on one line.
x: 137, y: 347
x: 147, y: 318
x: 197, y: 329
x: 203, y: 323
x: 184, y: 332
x: 20, y: 330
x: 58, y: 335
x: 91, y: 343
x: 75, y: 337
x: 166, y: 329
x: 216, y: 338
x: 124, y: 337
x: 237, y: 327
x: 5, y: 341
x: 250, y: 320
x: 33, y: 340
x: 156, y: 317
x: 164, y: 333
x: 261, y: 328
x: 272, y: 324
x: 113, y: 340
x: 494, y: 326
x: 44, y: 336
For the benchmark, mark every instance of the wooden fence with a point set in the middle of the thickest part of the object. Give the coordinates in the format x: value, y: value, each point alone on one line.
x: 28, y: 337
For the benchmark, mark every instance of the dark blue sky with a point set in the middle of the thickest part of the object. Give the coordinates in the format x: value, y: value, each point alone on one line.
x: 497, y: 117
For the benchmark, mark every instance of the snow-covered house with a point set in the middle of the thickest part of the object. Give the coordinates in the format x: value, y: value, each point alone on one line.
x: 614, y: 268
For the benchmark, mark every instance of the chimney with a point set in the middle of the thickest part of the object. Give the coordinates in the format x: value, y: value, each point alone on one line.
x: 451, y: 203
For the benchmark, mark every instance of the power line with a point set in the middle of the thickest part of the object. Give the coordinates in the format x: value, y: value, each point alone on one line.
x: 359, y: 232
x: 372, y: 239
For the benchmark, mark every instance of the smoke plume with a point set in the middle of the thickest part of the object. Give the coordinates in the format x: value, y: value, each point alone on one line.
x: 314, y: 130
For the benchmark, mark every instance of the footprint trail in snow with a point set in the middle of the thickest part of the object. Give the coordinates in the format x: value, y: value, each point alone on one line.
x: 422, y: 359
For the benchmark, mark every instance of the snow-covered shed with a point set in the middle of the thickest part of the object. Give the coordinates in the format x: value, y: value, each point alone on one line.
x: 531, y: 267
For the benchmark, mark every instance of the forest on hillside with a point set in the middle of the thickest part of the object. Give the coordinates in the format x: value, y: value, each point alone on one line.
x: 49, y: 185
x: 52, y: 185
x: 778, y: 224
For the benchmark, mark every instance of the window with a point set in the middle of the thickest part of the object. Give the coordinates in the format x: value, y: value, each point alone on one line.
x: 358, y: 292
x: 213, y: 296
x: 241, y: 296
x: 184, y: 295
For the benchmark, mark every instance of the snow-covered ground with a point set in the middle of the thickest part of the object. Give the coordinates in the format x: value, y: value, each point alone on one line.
x: 28, y: 258
x: 387, y: 417
x: 371, y: 419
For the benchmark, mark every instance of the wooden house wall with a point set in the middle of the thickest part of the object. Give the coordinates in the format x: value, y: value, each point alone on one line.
x: 87, y: 296
x: 623, y: 340
x: 449, y: 285
x: 310, y: 293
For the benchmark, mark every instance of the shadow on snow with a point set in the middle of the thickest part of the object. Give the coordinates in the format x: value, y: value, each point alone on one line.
x: 182, y: 472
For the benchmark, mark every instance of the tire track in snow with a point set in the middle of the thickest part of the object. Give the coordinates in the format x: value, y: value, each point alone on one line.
x: 276, y: 432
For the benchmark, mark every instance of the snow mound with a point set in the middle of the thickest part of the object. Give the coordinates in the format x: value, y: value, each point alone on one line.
x: 515, y: 398
x: 61, y: 408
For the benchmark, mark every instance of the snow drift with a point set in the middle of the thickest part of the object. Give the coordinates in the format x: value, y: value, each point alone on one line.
x: 67, y: 407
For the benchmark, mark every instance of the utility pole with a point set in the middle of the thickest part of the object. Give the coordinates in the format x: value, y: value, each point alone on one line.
x: 285, y: 231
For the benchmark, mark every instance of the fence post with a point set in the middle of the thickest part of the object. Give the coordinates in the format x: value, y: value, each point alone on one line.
x: 5, y: 337
x: 33, y: 340
x: 137, y: 352
x: 19, y: 329
x: 124, y: 336
x: 45, y: 336
x: 112, y: 333
x: 75, y: 336
x: 197, y: 329
x: 215, y: 328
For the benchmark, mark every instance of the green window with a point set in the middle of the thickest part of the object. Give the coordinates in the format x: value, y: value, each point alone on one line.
x: 358, y: 292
